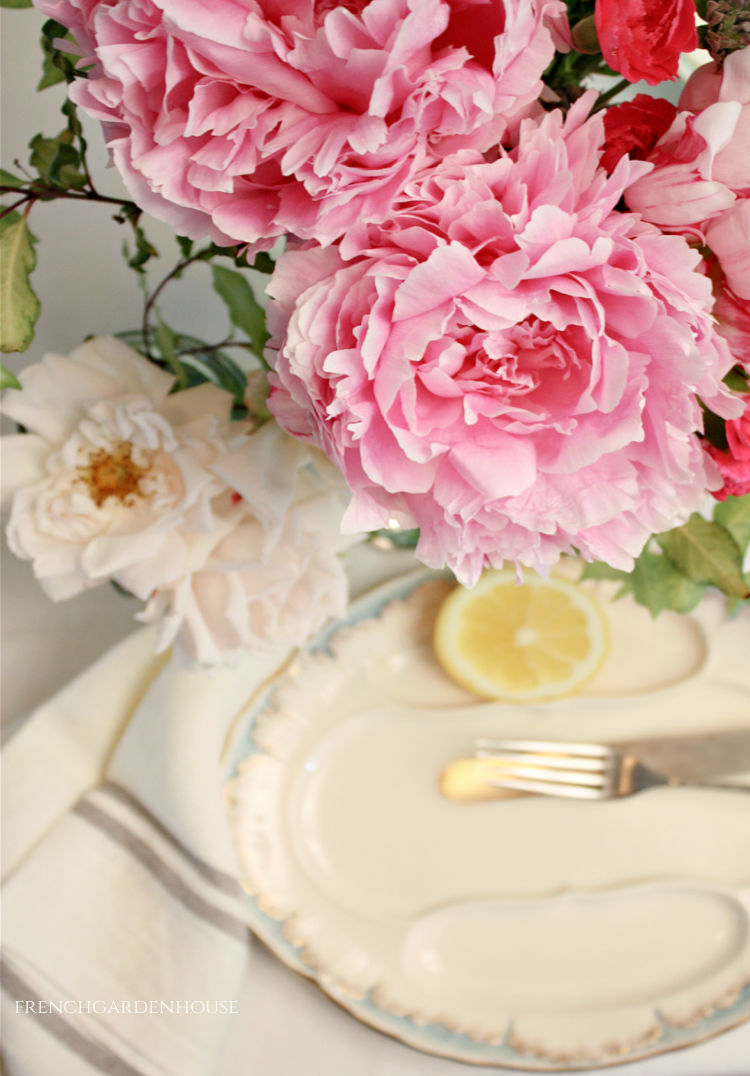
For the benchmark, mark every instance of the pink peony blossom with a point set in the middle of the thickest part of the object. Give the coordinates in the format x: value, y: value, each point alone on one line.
x: 734, y: 464
x: 244, y: 120
x: 506, y: 362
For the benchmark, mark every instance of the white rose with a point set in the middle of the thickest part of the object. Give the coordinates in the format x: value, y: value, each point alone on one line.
x: 114, y: 476
x: 232, y: 540
x: 275, y: 577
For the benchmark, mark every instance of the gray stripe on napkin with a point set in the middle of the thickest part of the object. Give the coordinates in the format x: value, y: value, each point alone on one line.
x: 95, y: 1053
x: 150, y: 859
x: 218, y: 878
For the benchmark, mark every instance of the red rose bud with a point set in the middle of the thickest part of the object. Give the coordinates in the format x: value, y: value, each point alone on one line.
x: 635, y: 127
x: 643, y: 39
x: 734, y: 464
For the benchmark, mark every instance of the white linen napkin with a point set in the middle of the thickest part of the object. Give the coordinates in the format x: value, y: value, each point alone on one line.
x: 124, y: 944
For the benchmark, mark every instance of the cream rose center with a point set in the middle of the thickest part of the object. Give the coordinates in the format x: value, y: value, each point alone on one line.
x: 119, y: 461
x: 113, y: 474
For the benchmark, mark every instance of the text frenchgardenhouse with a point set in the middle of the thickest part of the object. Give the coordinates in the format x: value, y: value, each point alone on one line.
x: 128, y: 1006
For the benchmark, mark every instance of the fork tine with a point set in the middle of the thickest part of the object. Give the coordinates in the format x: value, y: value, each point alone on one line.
x: 551, y: 762
x: 554, y: 747
x: 552, y: 788
x: 552, y: 767
x: 528, y: 771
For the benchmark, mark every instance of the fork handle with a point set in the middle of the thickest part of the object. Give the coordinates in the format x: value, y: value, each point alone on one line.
x: 644, y: 777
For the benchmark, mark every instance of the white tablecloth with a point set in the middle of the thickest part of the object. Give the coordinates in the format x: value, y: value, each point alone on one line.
x: 284, y: 1025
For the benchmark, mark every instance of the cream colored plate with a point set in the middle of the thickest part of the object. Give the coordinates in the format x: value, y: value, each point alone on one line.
x: 534, y: 933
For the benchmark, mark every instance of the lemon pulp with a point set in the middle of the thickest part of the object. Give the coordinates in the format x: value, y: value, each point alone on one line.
x: 541, y: 639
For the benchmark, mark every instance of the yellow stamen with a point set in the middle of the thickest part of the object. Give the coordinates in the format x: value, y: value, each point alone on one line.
x: 113, y: 474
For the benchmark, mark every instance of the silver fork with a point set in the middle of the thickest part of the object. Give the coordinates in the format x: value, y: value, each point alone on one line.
x: 579, y: 770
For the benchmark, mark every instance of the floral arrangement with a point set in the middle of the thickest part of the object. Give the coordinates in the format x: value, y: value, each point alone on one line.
x: 507, y: 317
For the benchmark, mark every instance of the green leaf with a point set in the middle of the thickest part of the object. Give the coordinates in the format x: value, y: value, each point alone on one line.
x: 736, y: 380
x: 8, y: 379
x: 659, y: 585
x: 195, y: 360
x: 57, y: 161
x: 213, y: 251
x: 166, y: 339
x: 18, y: 302
x: 714, y: 430
x: 599, y: 570
x: 211, y: 365
x: 144, y: 250
x: 398, y: 539
x: 244, y: 309
x: 51, y: 74
x: 57, y: 65
x: 7, y: 179
x: 70, y: 111
x: 15, y: 3
x: 706, y: 553
x: 263, y: 263
x: 654, y: 582
x: 733, y: 515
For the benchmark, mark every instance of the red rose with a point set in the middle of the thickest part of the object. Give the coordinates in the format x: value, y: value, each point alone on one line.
x: 644, y: 38
x: 635, y: 127
x: 734, y: 464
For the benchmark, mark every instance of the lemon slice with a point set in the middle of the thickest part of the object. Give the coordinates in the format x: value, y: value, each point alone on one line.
x: 542, y: 639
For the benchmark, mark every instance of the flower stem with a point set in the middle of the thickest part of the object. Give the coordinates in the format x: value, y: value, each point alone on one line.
x: 148, y: 307
x: 6, y: 210
x: 606, y: 97
x: 48, y: 194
